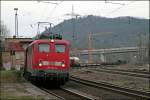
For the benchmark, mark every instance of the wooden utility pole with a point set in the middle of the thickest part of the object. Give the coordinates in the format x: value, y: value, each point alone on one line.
x: 90, y: 59
x: 140, y: 52
x: 90, y: 48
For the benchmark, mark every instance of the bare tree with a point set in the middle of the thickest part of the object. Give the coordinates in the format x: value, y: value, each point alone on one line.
x: 4, y: 32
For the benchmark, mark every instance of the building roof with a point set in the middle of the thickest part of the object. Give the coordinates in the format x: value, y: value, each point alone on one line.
x: 15, y: 46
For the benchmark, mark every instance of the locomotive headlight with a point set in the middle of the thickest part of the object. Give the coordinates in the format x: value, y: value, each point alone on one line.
x: 40, y: 64
x: 52, y: 40
x: 63, y: 64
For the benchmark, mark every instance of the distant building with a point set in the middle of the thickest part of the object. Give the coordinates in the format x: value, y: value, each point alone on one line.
x: 14, y: 51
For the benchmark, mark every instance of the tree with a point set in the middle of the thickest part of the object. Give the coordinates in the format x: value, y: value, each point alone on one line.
x: 4, y: 32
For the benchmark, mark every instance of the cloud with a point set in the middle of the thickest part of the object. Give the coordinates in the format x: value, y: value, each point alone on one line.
x: 30, y: 12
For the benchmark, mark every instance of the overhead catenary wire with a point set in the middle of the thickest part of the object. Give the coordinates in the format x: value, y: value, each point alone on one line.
x: 106, y: 1
x: 43, y: 12
x: 53, y: 10
x: 40, y: 1
x: 118, y: 8
x: 46, y: 2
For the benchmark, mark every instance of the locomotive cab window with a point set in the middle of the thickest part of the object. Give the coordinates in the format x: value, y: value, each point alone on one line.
x: 44, y: 47
x: 59, y: 48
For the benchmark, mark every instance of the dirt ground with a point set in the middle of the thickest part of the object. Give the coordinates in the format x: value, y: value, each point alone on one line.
x: 142, y: 68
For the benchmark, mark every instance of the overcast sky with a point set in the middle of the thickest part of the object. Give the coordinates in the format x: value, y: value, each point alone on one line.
x: 31, y: 12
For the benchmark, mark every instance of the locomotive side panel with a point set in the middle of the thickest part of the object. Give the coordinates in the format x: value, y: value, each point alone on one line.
x: 29, y: 58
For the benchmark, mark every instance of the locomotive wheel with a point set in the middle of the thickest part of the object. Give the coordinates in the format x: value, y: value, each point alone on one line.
x: 63, y: 81
x: 57, y: 83
x: 33, y: 80
x: 67, y: 79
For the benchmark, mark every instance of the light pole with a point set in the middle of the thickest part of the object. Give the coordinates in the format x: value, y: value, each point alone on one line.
x: 16, y: 22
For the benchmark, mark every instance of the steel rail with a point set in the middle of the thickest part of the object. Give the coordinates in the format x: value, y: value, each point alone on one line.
x: 115, y: 88
x: 78, y: 94
x: 50, y: 92
x: 122, y: 72
x: 67, y: 91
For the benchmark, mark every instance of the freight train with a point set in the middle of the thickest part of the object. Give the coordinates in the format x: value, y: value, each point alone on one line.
x: 47, y: 59
x: 74, y: 62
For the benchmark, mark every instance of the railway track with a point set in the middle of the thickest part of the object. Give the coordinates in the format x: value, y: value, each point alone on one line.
x: 119, y: 71
x: 120, y: 90
x: 67, y: 94
x: 123, y: 72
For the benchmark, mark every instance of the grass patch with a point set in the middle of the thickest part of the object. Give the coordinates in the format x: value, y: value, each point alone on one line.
x: 12, y: 97
x: 7, y: 95
x: 12, y: 87
x: 11, y: 76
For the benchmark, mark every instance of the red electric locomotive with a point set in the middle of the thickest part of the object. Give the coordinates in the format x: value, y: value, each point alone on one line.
x: 48, y: 60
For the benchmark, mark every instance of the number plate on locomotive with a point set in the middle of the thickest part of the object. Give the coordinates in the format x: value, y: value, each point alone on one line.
x: 45, y: 63
x: 57, y: 63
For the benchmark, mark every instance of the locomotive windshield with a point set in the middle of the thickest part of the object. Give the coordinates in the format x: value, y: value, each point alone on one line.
x: 60, y: 48
x: 44, y: 47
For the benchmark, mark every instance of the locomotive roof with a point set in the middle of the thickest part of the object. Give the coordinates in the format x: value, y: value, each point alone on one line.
x: 45, y: 41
